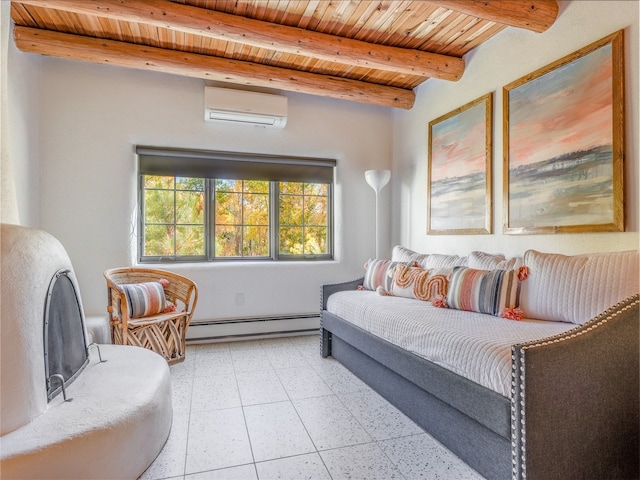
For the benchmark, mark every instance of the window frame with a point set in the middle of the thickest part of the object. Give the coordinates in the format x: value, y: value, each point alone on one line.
x: 209, y: 206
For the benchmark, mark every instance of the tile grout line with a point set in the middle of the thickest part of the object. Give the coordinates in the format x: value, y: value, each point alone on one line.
x: 302, y: 421
x: 186, y: 448
x: 244, y: 417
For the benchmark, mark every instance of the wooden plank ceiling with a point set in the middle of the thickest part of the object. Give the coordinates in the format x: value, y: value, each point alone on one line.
x: 368, y: 51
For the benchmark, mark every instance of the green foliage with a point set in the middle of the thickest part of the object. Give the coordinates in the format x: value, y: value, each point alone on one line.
x: 291, y: 241
x: 291, y: 210
x: 175, y: 217
x: 303, y: 218
x: 256, y: 241
x: 228, y: 241
x: 158, y: 240
x: 190, y: 240
x: 241, y: 218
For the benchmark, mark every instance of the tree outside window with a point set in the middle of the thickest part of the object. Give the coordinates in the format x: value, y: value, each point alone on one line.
x: 177, y: 224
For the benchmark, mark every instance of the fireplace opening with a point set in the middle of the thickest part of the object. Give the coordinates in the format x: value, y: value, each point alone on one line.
x: 65, y: 346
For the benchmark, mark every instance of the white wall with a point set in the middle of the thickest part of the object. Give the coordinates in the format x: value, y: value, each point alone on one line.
x: 74, y: 126
x: 92, y: 116
x: 20, y: 195
x: 508, y: 56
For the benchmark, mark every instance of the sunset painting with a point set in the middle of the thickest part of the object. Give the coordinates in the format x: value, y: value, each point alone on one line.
x: 459, y: 188
x: 561, y: 145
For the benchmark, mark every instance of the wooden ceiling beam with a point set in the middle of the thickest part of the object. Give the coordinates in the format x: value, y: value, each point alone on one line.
x: 272, y: 36
x: 536, y: 15
x: 111, y: 52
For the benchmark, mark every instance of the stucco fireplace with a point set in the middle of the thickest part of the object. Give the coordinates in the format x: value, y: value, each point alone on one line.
x: 113, y: 417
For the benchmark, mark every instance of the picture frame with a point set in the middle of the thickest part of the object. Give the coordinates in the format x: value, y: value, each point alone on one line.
x: 459, y: 185
x: 563, y: 144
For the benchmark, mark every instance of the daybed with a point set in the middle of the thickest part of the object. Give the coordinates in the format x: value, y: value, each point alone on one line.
x: 551, y: 395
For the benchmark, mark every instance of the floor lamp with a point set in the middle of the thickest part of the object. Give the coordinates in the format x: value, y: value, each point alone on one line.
x: 377, y: 179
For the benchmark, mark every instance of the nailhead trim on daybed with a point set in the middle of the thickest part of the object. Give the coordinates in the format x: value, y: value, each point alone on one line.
x: 519, y: 429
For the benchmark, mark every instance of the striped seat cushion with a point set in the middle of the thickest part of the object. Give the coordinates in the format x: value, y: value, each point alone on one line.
x: 483, y: 291
x: 144, y: 299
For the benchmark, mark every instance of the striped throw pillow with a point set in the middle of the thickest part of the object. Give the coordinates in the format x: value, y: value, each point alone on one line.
x: 378, y: 273
x: 144, y: 299
x: 483, y: 291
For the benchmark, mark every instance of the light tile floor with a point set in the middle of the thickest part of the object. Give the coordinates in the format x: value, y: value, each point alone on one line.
x: 274, y: 409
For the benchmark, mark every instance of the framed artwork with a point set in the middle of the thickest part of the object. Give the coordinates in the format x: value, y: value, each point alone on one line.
x: 564, y: 144
x: 459, y: 186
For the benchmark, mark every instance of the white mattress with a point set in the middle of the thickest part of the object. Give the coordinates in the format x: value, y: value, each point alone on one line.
x: 473, y: 345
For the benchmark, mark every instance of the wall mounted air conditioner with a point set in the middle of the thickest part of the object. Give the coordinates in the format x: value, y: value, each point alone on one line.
x: 244, y: 107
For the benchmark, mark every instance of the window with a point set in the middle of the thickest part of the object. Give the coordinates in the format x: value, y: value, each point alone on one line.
x: 204, y: 206
x: 241, y: 218
x: 303, y: 218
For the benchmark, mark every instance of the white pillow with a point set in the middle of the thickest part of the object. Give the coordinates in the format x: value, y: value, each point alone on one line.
x: 576, y: 288
x: 404, y: 255
x: 437, y: 260
x: 493, y: 261
x: 427, y: 260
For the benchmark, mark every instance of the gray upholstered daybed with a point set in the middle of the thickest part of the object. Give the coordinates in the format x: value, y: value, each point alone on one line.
x: 571, y: 409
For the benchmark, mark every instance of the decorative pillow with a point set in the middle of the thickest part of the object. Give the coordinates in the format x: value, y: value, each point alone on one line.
x: 402, y: 254
x: 379, y: 273
x: 416, y: 282
x: 144, y: 299
x: 493, y: 261
x: 576, y: 288
x: 483, y: 291
x: 427, y: 261
x: 437, y: 260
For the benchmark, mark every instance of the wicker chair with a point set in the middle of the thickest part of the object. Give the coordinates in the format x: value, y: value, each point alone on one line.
x: 164, y: 333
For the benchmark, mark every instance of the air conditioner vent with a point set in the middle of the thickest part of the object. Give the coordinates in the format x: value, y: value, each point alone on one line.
x: 244, y: 107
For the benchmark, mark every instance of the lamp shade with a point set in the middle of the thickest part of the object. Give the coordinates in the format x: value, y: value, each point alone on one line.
x: 377, y: 179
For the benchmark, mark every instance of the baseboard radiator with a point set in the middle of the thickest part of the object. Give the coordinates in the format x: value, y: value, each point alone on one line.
x: 234, y: 329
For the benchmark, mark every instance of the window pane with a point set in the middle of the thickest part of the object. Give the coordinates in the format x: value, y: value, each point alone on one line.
x: 174, y: 216
x: 153, y: 181
x: 228, y: 241
x: 315, y: 211
x: 256, y: 209
x: 185, y: 183
x: 256, y: 186
x: 190, y: 240
x: 292, y: 188
x: 158, y: 206
x: 315, y: 189
x: 256, y: 241
x: 245, y: 210
x: 291, y: 240
x: 315, y: 241
x: 190, y: 207
x: 291, y: 210
x: 228, y: 208
x: 228, y: 185
x: 158, y: 240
